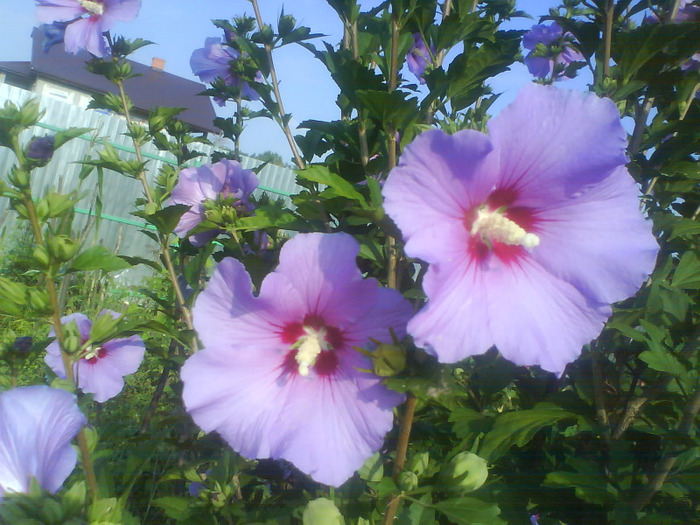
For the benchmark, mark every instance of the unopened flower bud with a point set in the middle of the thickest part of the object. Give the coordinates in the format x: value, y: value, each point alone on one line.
x: 388, y: 359
x: 41, y: 256
x: 38, y: 300
x: 465, y: 472
x: 214, y: 216
x: 322, y: 511
x: 407, y: 480
x: 62, y: 247
x: 42, y: 209
x: 19, y: 177
x: 40, y: 150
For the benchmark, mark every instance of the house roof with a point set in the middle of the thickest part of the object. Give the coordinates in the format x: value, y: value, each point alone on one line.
x: 22, y: 69
x: 151, y: 88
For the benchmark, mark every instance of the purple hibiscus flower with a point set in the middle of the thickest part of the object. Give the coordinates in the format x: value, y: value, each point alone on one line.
x: 101, y: 369
x: 419, y: 57
x: 279, y: 376
x: 214, y: 61
x: 531, y: 231
x: 560, y: 52
x: 37, y: 424
x: 87, y: 20
x: 223, y: 180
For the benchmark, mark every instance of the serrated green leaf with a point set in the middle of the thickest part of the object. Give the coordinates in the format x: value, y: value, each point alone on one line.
x: 687, y: 273
x: 518, y: 428
x: 467, y: 511
x: 588, y: 486
x: 98, y: 258
x: 342, y: 188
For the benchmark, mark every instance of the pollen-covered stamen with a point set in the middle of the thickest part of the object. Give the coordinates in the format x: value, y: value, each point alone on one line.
x: 310, y: 347
x: 493, y: 226
x: 96, y: 8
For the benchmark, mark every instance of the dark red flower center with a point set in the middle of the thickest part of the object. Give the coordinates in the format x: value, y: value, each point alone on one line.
x: 314, y: 345
x: 499, y: 227
x: 94, y: 354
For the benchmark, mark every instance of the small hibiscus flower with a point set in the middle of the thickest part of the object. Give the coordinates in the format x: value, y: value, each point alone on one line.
x: 37, y: 424
x: 531, y: 232
x: 551, y: 51
x: 419, y: 57
x: 280, y: 376
x: 86, y: 20
x: 214, y: 61
x: 226, y: 182
x: 101, y: 369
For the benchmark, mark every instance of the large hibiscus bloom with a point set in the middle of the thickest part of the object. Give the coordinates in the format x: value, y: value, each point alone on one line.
x: 37, y: 424
x: 87, y: 20
x: 532, y: 231
x: 101, y: 369
x: 279, y: 376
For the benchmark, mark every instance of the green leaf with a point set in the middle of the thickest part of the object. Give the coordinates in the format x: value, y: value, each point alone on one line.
x: 467, y: 511
x: 68, y: 134
x: 98, y: 258
x: 341, y: 187
x: 166, y: 219
x: 174, y: 507
x: 372, y: 469
x: 662, y: 359
x: 518, y: 428
x: 590, y: 487
x: 688, y: 272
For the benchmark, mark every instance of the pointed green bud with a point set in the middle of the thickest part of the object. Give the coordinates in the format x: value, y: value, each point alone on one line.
x: 388, y: 359
x: 407, y: 480
x: 41, y: 256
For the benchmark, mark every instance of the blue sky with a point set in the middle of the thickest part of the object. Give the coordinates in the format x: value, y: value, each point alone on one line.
x: 180, y: 26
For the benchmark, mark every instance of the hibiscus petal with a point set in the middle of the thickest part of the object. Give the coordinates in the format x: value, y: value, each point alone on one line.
x: 439, y: 178
x: 37, y: 424
x: 609, y: 246
x: 85, y: 33
x: 554, y: 143
x: 327, y: 428
x: 119, y: 10
x: 49, y: 11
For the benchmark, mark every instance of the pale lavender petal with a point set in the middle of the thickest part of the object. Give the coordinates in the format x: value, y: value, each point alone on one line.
x: 37, y: 424
x: 439, y: 178
x: 598, y: 241
x: 85, y: 33
x: 389, y: 309
x: 553, y: 143
x: 119, y: 11
x: 212, y: 61
x: 82, y: 322
x: 330, y: 285
x: 227, y: 315
x: 327, y: 428
x: 104, y: 377
x: 48, y: 11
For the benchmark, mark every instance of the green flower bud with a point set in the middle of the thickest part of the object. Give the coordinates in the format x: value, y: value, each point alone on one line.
x: 42, y: 209
x: 19, y: 178
x: 62, y: 247
x: 465, y: 472
x: 214, y: 216
x: 41, y: 256
x: 407, y: 480
x: 72, y: 343
x: 388, y: 360
x: 150, y: 208
x: 322, y: 511
x: 419, y: 463
x: 39, y: 300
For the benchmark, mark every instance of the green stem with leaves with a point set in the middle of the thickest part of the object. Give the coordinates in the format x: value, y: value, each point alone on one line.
x: 278, y: 97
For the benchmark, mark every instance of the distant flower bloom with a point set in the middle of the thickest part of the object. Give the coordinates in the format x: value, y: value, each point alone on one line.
x: 559, y: 51
x: 688, y: 11
x: 214, y: 61
x: 41, y: 149
x: 210, y: 182
x: 419, y: 57
x: 23, y: 344
x: 279, y: 376
x: 531, y: 231
x: 53, y: 34
x: 37, y: 424
x: 86, y: 20
x: 102, y: 369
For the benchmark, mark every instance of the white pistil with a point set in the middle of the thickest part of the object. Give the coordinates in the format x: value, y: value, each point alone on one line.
x: 91, y: 352
x: 310, y: 347
x: 494, y: 226
x: 96, y: 8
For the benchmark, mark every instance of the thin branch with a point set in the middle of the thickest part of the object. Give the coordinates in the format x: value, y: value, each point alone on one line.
x: 278, y: 97
x: 609, y: 16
